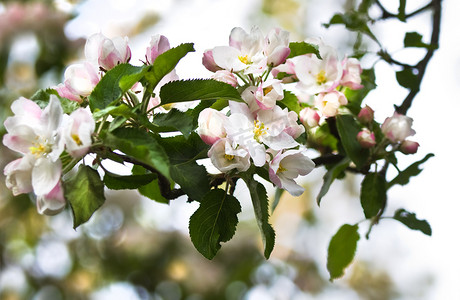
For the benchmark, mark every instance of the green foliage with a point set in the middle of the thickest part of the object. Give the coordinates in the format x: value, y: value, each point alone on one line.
x: 174, y: 120
x: 413, y: 170
x: 214, y: 222
x: 141, y: 145
x: 290, y: 101
x: 42, y: 98
x: 85, y: 193
x: 411, y: 221
x: 414, y: 39
x: 341, y: 251
x: 301, y: 48
x: 373, y: 194
x: 355, y: 97
x: 118, y: 182
x: 354, y: 21
x: 348, y: 130
x: 333, y: 173
x: 113, y: 85
x: 408, y: 79
x: 260, y: 204
x: 165, y: 63
x: 152, y: 189
x: 197, y: 89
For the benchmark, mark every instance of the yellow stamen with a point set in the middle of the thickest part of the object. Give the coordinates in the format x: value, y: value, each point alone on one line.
x: 267, y: 90
x: 77, y: 140
x: 229, y: 157
x: 259, y: 130
x: 280, y: 169
x: 244, y: 59
x: 321, y: 77
x: 39, y: 149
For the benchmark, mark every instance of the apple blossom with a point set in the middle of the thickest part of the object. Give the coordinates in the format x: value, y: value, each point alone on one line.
x: 267, y: 93
x: 309, y: 117
x: 397, y: 127
x: 211, y: 125
x: 79, y: 81
x: 277, y: 47
x: 18, y: 175
x: 107, y: 53
x: 351, y: 76
x: 209, y: 63
x: 329, y: 103
x: 226, y: 155
x: 225, y: 76
x: 409, y: 147
x: 158, y: 45
x: 366, y: 115
x: 77, y: 132
x: 366, y: 138
x: 53, y: 202
x: 288, y: 165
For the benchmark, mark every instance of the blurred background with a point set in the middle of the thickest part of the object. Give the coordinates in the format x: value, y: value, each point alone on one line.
x: 134, y: 248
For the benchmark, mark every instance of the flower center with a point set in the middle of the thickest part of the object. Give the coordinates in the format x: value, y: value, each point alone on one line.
x: 259, y: 130
x: 244, y: 59
x: 267, y: 90
x: 77, y: 140
x: 40, y: 149
x: 321, y: 77
x: 280, y: 169
x: 229, y: 157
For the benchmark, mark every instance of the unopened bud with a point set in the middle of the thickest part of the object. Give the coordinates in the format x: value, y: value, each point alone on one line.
x: 309, y: 117
x: 225, y: 76
x: 409, y: 147
x: 366, y: 115
x: 366, y: 138
x: 209, y: 63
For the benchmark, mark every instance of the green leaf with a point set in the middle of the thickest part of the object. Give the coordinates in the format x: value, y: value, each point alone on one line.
x: 411, y: 221
x: 181, y: 150
x: 85, y: 193
x: 165, y: 63
x: 120, y: 110
x: 42, y: 98
x: 174, y: 120
x: 373, y: 194
x: 342, y: 249
x: 330, y: 176
x: 278, y: 193
x: 356, y: 97
x: 408, y: 79
x: 141, y: 146
x: 354, y: 21
x: 290, y: 101
x: 413, y: 170
x: 301, y: 48
x: 348, y: 130
x: 414, y: 39
x: 260, y: 204
x: 150, y: 190
x: 192, y: 178
x: 118, y: 182
x: 114, y: 84
x: 197, y: 89
x: 214, y: 222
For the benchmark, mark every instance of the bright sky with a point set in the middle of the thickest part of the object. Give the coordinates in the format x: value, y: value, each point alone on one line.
x: 433, y: 195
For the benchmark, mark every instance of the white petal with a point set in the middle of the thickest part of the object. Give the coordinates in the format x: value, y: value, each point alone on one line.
x: 45, y: 175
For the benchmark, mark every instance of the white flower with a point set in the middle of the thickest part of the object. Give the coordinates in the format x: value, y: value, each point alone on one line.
x: 107, y: 53
x: 53, y: 202
x: 329, y: 103
x: 226, y: 155
x: 288, y: 165
x: 158, y: 45
x: 79, y: 81
x: 211, y: 125
x: 77, y: 132
x: 397, y: 128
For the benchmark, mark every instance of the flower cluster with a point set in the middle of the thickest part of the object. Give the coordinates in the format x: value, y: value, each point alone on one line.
x: 41, y: 136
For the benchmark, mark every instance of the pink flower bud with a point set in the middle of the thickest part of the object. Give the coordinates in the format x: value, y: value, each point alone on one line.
x: 397, y: 128
x: 366, y: 115
x: 105, y: 52
x: 211, y: 125
x: 277, y: 47
x: 366, y: 138
x: 209, y: 63
x: 351, y: 76
x: 53, y: 202
x: 328, y: 103
x: 158, y: 45
x: 409, y: 147
x: 309, y: 117
x: 225, y: 76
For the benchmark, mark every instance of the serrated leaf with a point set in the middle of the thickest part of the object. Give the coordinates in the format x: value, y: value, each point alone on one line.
x: 301, y: 48
x: 413, y: 170
x: 408, y: 79
x: 165, y: 63
x: 120, y: 110
x: 85, y: 193
x: 348, y: 130
x: 342, y: 249
x: 192, y: 178
x: 373, y: 194
x: 197, y: 89
x: 330, y: 176
x: 290, y: 101
x: 119, y: 182
x: 410, y: 220
x: 141, y: 146
x: 114, y: 84
x: 260, y: 204
x: 174, y: 120
x: 150, y: 190
x: 214, y: 222
x: 181, y: 150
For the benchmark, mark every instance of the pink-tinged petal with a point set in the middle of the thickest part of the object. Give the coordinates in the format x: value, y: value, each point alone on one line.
x: 18, y: 175
x: 78, y: 132
x: 209, y: 63
x: 309, y: 117
x: 52, y: 115
x: 409, y: 147
x: 22, y: 142
x: 227, y: 58
x: 45, y: 175
x: 397, y: 128
x: 24, y: 106
x: 225, y: 76
x: 93, y: 46
x: 279, y: 56
x: 53, y: 202
x: 65, y: 92
x: 237, y: 36
x: 292, y: 187
x: 158, y: 45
